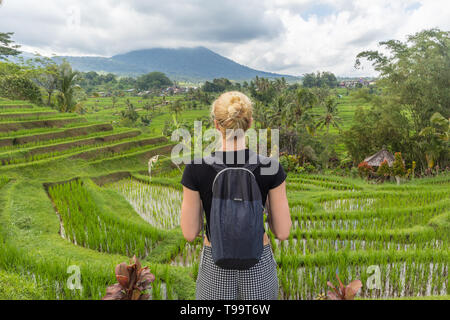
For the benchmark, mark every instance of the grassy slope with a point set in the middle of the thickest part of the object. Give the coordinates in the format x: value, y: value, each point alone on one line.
x: 16, y: 287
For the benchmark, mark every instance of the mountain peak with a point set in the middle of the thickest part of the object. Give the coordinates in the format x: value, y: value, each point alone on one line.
x: 184, y: 63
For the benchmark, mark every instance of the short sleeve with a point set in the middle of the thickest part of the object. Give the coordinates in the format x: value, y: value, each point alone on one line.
x: 279, y: 177
x: 188, y: 178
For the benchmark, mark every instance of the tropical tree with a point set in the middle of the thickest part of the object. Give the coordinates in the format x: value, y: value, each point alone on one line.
x: 319, y: 80
x: 280, y: 84
x: 148, y: 106
x: 260, y: 114
x: 146, y: 120
x: 45, y: 74
x: 67, y: 86
x: 176, y: 107
x: 114, y: 100
x: 277, y: 111
x: 218, y: 85
x: 153, y: 80
x: 415, y: 74
x: 130, y: 112
x: 330, y: 117
x: 204, y: 97
x: 414, y: 77
x: 398, y: 167
x: 303, y: 100
x: 262, y: 89
x: 7, y: 46
x: 436, y: 139
x: 381, y: 125
x: 19, y: 87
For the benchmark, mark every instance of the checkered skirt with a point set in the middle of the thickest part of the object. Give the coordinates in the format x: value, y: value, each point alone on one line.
x: 257, y: 283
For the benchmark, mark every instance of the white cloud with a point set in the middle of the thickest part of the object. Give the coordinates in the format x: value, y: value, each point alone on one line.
x: 285, y: 36
x: 332, y: 42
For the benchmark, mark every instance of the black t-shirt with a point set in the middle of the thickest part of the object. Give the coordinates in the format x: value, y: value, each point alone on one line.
x: 200, y: 177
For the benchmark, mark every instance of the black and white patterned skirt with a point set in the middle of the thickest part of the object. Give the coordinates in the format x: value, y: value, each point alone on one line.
x: 257, y: 283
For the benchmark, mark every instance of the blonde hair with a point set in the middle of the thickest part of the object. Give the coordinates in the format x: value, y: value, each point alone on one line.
x: 232, y: 110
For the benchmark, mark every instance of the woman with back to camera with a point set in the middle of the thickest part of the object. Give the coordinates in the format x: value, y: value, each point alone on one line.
x: 237, y: 261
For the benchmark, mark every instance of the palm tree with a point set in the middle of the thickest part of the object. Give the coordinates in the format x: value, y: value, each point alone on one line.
x: 280, y: 117
x: 114, y: 101
x: 437, y: 138
x: 330, y: 117
x: 260, y: 114
x: 130, y: 112
x: 302, y: 101
x: 67, y: 87
x: 147, y: 107
x: 276, y: 113
x: 176, y: 107
x: 280, y: 84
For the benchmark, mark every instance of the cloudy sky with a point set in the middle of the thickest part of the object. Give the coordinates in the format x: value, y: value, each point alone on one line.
x: 284, y: 36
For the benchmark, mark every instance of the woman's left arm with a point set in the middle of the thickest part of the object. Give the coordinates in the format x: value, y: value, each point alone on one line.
x: 191, y: 214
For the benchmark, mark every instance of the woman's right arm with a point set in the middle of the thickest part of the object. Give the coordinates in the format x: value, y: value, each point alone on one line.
x: 279, y: 216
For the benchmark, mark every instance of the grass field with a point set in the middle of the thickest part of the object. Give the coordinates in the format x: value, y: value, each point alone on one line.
x: 78, y: 196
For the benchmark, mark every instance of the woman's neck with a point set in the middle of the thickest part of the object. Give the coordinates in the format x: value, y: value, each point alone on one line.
x: 233, y: 144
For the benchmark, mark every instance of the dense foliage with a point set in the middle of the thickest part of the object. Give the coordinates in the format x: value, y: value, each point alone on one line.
x: 19, y: 87
x: 320, y: 79
x: 153, y: 80
x: 220, y: 85
x: 415, y: 77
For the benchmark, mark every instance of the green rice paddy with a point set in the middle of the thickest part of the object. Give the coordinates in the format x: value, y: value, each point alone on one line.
x: 89, y: 207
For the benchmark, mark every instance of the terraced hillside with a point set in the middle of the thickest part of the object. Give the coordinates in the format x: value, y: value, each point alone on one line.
x: 39, y: 146
x: 78, y: 197
x: 54, y: 136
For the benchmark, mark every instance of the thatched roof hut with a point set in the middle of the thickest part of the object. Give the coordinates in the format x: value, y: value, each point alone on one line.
x: 379, y: 157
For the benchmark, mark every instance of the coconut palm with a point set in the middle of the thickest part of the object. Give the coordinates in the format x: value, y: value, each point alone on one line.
x: 303, y: 100
x: 260, y: 114
x: 176, y: 107
x: 67, y: 88
x: 148, y: 106
x: 330, y: 117
x: 277, y: 111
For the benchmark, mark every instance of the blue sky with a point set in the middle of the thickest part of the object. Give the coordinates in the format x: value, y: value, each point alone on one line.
x: 285, y: 36
x: 318, y: 9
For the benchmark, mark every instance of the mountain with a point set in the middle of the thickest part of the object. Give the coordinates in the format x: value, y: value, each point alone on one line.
x: 182, y: 64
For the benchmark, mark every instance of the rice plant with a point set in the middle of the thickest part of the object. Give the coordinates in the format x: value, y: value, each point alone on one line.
x: 86, y: 225
x: 3, y: 181
x: 159, y: 206
x: 351, y: 231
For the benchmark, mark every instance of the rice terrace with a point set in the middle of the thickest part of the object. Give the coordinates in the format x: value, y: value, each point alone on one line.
x: 367, y: 163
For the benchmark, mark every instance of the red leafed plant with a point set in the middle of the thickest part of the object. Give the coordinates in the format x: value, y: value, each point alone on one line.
x: 344, y: 293
x: 365, y: 169
x: 133, y: 281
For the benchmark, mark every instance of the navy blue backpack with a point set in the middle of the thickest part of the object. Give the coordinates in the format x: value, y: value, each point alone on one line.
x: 236, y: 226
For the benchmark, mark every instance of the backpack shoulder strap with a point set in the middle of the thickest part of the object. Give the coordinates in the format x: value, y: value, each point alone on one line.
x: 255, y: 161
x: 215, y: 162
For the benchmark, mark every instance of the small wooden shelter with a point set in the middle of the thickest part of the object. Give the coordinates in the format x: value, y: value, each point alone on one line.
x: 377, y: 159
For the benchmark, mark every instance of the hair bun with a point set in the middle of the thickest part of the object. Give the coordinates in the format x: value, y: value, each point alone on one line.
x: 236, y: 107
x: 232, y: 110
